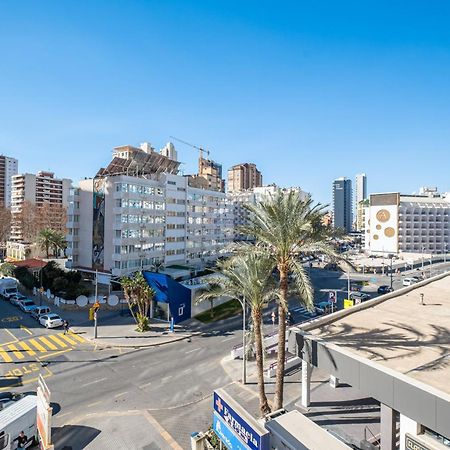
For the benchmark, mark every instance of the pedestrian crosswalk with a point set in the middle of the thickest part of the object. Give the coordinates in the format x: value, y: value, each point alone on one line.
x: 39, y: 346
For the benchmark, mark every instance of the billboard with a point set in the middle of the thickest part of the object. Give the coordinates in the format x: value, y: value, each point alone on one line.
x: 243, y: 427
x: 98, y: 225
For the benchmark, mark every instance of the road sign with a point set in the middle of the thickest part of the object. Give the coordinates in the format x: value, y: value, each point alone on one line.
x: 332, y: 297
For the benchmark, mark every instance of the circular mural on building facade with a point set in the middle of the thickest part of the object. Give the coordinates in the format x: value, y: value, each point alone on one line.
x: 389, y: 232
x: 383, y: 215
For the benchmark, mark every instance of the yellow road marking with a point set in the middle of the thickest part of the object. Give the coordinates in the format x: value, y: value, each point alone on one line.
x: 27, y: 348
x: 16, y: 351
x: 5, y: 355
x: 162, y: 431
x: 36, y: 345
x: 49, y: 344
x: 58, y: 341
x: 26, y: 329
x: 48, y: 355
x: 22, y: 382
x: 67, y: 338
x: 78, y: 338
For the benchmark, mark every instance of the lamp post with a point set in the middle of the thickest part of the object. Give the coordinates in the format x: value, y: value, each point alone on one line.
x: 244, y: 356
x: 348, y: 285
x: 391, y: 256
x: 96, y: 300
x: 423, y: 249
x: 445, y: 253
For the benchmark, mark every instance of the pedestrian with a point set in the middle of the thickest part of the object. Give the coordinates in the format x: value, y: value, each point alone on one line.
x: 21, y: 440
x: 66, y: 326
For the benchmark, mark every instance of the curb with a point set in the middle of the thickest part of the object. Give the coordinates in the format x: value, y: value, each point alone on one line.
x: 106, y: 344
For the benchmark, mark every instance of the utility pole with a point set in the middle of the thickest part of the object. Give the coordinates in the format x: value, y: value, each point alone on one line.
x: 96, y: 301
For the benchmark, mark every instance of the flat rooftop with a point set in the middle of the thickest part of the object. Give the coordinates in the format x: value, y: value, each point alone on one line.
x: 400, y: 333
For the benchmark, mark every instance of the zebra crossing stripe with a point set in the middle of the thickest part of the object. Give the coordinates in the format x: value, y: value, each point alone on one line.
x: 49, y: 344
x: 16, y: 351
x: 37, y: 346
x: 5, y: 355
x: 78, y: 338
x: 27, y: 348
x: 58, y: 341
x: 67, y: 338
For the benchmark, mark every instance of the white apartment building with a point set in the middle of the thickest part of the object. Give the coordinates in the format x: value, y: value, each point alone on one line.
x: 8, y: 168
x: 121, y: 223
x: 238, y: 200
x: 397, y: 223
x: 36, y: 189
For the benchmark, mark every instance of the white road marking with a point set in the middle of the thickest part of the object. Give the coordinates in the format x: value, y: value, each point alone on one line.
x: 166, y: 378
x: 121, y: 394
x: 145, y: 385
x: 93, y: 382
x: 228, y: 339
x: 193, y: 350
x: 93, y: 404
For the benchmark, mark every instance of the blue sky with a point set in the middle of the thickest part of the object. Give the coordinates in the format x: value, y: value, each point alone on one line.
x: 309, y: 91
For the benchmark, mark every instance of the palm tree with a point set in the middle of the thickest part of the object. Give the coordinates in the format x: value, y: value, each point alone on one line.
x: 285, y: 226
x: 247, y: 277
x: 45, y: 240
x: 58, y: 242
x: 139, y: 296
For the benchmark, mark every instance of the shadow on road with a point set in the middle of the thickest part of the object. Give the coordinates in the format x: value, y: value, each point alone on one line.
x: 73, y: 437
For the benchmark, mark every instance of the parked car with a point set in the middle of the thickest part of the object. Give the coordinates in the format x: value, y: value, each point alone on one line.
x: 27, y: 305
x: 384, y: 289
x: 8, y: 287
x: 361, y: 296
x: 324, y: 307
x: 355, y: 287
x: 16, y: 299
x: 409, y: 281
x: 51, y: 320
x: 40, y: 311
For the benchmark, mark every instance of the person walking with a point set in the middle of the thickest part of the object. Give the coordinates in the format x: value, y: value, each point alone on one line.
x: 21, y: 440
x: 66, y: 326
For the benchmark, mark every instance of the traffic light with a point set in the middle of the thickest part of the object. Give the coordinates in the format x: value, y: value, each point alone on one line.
x: 96, y: 306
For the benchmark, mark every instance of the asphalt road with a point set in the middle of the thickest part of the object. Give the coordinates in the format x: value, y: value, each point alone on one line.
x: 145, y: 398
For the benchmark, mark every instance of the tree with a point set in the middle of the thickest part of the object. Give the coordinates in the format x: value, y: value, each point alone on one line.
x: 27, y: 221
x: 5, y: 223
x: 45, y: 240
x: 139, y: 296
x: 286, y: 227
x: 58, y: 242
x: 7, y: 269
x: 247, y: 277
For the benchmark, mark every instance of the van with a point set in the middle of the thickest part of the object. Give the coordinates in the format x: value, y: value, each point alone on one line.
x: 16, y: 417
x: 409, y: 281
x: 8, y: 287
x: 40, y: 311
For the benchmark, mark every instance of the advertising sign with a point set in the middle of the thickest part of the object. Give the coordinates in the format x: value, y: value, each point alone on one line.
x: 240, y: 423
x: 226, y: 435
x: 348, y: 303
x: 412, y: 444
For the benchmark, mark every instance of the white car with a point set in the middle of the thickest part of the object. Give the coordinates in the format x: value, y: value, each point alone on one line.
x: 409, y: 281
x: 51, y: 320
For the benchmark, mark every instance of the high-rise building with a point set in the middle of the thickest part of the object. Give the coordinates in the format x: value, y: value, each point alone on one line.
x: 360, y: 188
x: 138, y: 212
x: 242, y: 177
x: 241, y: 214
x: 37, y: 189
x: 169, y: 151
x: 342, y: 204
x: 397, y: 223
x: 8, y: 168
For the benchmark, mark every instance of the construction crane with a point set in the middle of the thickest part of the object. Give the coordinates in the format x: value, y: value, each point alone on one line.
x: 191, y: 145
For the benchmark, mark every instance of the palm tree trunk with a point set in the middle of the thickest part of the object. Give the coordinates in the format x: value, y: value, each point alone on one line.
x: 279, y: 383
x: 264, y: 407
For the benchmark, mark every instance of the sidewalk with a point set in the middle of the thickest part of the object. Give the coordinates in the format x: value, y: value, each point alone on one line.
x: 116, y: 330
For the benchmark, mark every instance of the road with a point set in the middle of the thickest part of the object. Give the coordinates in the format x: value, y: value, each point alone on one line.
x: 135, y: 398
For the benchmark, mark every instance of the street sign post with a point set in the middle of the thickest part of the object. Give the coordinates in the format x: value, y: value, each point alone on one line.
x: 332, y: 298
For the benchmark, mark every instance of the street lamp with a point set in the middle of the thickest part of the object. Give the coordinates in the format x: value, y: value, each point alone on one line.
x: 423, y: 249
x: 244, y: 356
x: 445, y: 253
x: 391, y: 256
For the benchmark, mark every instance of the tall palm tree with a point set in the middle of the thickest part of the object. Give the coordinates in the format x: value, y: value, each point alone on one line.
x: 286, y: 226
x: 247, y: 277
x: 58, y: 242
x: 45, y: 240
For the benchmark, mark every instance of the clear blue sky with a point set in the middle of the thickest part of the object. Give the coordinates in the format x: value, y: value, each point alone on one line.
x: 308, y: 90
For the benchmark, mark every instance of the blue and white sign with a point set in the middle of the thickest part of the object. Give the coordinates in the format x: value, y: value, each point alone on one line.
x: 225, y: 434
x: 239, y: 426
